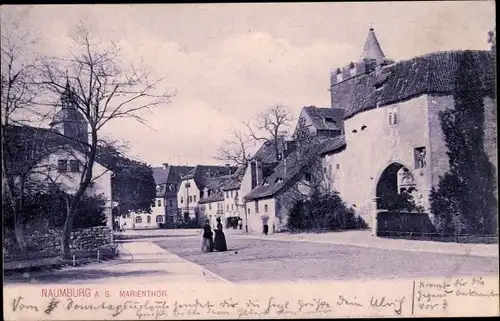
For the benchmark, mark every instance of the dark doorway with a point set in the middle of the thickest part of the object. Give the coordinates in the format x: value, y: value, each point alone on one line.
x: 387, y: 185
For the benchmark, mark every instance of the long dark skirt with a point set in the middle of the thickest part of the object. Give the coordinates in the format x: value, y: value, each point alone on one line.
x: 220, y: 241
x: 207, y: 245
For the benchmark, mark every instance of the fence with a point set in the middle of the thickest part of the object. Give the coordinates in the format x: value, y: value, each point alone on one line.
x: 438, y: 237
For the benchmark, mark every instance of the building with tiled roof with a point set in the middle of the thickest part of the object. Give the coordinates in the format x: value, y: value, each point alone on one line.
x: 56, y: 156
x: 165, y: 208
x: 381, y: 136
x: 196, y: 185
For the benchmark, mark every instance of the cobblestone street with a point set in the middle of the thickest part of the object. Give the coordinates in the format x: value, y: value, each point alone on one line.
x: 254, y: 260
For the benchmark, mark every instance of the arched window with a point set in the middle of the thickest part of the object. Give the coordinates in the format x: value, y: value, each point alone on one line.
x: 138, y: 219
x: 159, y: 219
x: 148, y: 219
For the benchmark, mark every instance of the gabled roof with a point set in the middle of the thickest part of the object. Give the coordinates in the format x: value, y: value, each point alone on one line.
x: 202, y: 173
x: 287, y: 171
x: 324, y: 118
x: 372, y: 49
x: 169, y: 176
x: 211, y: 199
x: 333, y: 144
x: 434, y: 73
x: 267, y: 152
x: 27, y: 145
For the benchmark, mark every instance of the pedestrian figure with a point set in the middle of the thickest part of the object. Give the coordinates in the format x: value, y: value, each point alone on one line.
x: 220, y: 239
x: 266, y: 228
x: 207, y: 241
x: 240, y: 223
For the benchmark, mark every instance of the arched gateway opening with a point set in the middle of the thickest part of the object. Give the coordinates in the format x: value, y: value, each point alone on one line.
x: 387, y: 186
x: 397, y: 212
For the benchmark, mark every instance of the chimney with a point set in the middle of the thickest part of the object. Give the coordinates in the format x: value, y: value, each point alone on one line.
x: 165, y: 165
x: 259, y: 172
x: 290, y: 146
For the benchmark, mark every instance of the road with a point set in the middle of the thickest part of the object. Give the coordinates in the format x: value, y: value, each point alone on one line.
x: 254, y: 260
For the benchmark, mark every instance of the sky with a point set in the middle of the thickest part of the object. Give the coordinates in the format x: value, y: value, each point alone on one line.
x: 227, y: 62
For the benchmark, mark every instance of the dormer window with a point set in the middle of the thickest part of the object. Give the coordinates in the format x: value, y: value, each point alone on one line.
x: 279, y: 180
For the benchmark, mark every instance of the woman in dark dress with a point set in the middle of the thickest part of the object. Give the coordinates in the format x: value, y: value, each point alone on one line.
x: 220, y: 239
x: 207, y: 242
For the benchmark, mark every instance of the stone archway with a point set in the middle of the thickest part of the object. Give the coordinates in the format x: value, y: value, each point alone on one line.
x: 387, y: 185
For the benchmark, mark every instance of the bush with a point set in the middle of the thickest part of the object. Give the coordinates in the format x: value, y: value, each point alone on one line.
x: 323, y: 212
x: 50, y: 208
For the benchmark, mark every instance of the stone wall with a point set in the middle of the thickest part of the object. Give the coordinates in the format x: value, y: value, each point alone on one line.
x: 48, y: 242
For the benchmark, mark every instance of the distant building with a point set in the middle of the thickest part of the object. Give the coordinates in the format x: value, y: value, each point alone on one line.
x: 164, y: 210
x: 193, y: 188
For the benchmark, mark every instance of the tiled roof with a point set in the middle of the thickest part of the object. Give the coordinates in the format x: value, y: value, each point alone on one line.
x: 333, y: 144
x: 319, y: 117
x: 160, y: 175
x: 201, y: 173
x: 232, y: 185
x: 211, y: 199
x: 171, y: 176
x: 267, y: 152
x: 434, y: 73
x: 287, y: 171
x: 27, y: 145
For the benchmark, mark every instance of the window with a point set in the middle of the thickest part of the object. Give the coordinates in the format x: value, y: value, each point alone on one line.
x: 231, y: 194
x: 265, y: 208
x: 393, y: 119
x: 209, y: 206
x: 138, y: 219
x: 338, y: 166
x: 148, y: 219
x: 159, y: 203
x: 182, y: 200
x: 190, y: 199
x: 419, y: 156
x: 62, y: 165
x: 74, y: 166
x: 227, y: 207
x: 159, y: 219
x: 308, y: 177
x: 170, y: 203
x: 256, y: 207
x: 154, y: 204
x: 248, y: 211
x: 194, y: 198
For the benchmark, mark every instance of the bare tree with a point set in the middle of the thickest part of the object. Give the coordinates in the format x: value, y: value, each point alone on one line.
x: 103, y: 91
x: 271, y: 126
x: 18, y: 93
x: 234, y: 150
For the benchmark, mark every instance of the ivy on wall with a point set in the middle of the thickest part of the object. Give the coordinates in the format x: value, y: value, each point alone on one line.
x: 464, y: 201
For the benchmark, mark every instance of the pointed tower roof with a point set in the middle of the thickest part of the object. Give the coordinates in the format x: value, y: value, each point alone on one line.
x: 372, y: 48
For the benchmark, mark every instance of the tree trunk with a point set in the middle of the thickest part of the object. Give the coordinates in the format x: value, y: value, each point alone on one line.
x: 18, y: 231
x: 66, y: 232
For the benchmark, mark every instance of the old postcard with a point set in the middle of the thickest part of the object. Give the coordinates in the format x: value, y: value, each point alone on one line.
x: 253, y: 161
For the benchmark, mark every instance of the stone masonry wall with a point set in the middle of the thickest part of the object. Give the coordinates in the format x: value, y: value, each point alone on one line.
x: 48, y: 242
